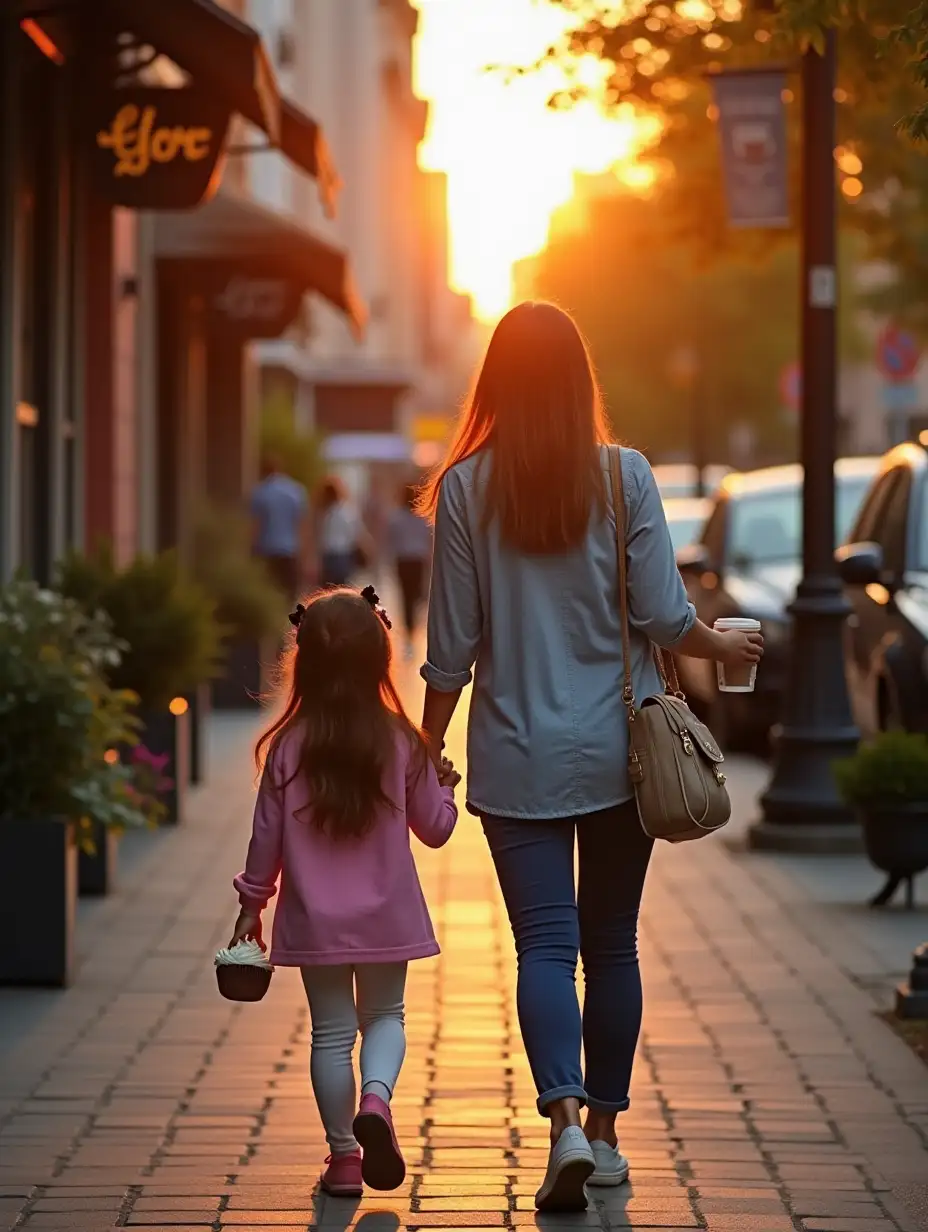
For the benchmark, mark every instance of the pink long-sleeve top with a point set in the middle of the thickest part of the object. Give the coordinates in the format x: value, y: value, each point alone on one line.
x: 349, y: 901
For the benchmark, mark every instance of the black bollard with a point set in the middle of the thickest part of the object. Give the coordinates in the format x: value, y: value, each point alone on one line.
x: 912, y: 997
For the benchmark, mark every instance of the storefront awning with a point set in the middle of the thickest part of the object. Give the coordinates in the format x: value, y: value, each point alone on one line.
x: 218, y: 50
x: 304, y: 143
x: 239, y: 239
x: 214, y: 46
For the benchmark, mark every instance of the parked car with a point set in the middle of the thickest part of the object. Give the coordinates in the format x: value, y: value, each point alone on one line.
x: 679, y: 479
x: 747, y: 563
x: 884, y: 565
x: 686, y: 516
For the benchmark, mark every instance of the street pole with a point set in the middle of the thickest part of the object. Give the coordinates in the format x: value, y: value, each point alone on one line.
x: 801, y: 810
x: 699, y: 428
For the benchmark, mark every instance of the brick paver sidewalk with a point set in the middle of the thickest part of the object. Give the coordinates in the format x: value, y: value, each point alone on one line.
x: 767, y: 1095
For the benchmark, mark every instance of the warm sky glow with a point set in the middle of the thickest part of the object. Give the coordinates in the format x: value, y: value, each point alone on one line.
x: 510, y: 160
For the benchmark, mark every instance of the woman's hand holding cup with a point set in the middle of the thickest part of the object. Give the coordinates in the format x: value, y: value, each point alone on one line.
x: 741, y: 648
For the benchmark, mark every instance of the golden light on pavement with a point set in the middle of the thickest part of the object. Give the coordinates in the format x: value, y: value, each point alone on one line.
x: 510, y: 159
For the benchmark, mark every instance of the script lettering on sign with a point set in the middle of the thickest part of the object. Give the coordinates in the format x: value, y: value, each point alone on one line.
x: 252, y: 299
x: 137, y: 142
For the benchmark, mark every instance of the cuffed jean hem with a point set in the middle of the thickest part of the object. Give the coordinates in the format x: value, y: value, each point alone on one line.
x: 556, y: 1093
x: 602, y: 1105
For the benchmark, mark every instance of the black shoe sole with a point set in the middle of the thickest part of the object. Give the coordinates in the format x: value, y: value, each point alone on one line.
x: 568, y: 1192
x: 382, y: 1166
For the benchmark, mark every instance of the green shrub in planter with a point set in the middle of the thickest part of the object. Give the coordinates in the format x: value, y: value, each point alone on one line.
x: 59, y: 721
x: 171, y: 635
x: 887, y: 782
x: 892, y: 769
x: 164, y: 619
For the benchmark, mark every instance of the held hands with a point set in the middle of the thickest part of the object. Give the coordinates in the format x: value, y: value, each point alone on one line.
x: 736, y: 648
x: 248, y: 925
x: 447, y: 775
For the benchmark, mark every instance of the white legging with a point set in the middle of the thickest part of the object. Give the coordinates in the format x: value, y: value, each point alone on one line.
x: 336, y: 1018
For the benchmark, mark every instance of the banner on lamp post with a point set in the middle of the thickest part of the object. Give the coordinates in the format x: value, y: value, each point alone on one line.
x: 752, y: 127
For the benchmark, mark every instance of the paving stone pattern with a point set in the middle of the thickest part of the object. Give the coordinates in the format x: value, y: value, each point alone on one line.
x: 767, y: 1096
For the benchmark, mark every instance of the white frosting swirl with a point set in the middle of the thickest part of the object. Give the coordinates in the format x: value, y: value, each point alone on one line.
x: 246, y: 953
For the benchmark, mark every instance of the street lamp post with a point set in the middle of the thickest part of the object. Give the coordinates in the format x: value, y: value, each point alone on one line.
x: 801, y: 810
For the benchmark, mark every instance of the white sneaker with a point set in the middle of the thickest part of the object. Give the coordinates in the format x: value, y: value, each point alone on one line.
x: 570, y: 1163
x: 611, y: 1165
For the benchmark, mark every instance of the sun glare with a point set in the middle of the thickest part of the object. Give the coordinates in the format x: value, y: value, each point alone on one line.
x: 510, y: 160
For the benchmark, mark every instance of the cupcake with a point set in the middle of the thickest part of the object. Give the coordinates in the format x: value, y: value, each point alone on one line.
x: 243, y: 972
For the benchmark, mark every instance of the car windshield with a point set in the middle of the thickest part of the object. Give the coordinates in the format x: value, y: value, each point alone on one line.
x: 766, y: 527
x: 683, y: 530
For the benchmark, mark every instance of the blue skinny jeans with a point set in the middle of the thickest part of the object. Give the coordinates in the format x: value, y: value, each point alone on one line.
x: 553, y: 920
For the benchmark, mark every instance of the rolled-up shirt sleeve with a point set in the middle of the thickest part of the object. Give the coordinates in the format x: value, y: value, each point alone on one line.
x: 657, y: 601
x: 455, y: 617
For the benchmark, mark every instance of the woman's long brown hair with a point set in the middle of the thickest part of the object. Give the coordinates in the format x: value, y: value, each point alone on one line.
x: 536, y: 408
x: 344, y: 710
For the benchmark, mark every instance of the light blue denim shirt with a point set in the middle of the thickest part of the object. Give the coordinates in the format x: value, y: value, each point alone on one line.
x: 547, y: 732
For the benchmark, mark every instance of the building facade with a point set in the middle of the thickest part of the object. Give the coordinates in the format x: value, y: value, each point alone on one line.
x: 351, y: 65
x: 138, y: 266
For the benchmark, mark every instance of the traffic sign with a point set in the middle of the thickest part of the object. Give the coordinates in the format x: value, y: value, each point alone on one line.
x: 791, y: 386
x: 897, y: 354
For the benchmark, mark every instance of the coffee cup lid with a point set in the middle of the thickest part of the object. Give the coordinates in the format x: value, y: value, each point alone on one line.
x: 744, y: 623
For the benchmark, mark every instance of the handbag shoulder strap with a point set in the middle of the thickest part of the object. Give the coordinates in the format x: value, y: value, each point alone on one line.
x: 662, y: 658
x: 618, y: 500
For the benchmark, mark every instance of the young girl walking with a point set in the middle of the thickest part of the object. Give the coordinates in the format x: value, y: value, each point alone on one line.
x: 346, y: 777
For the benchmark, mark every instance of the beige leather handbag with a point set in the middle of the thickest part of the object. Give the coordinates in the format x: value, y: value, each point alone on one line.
x: 674, y: 762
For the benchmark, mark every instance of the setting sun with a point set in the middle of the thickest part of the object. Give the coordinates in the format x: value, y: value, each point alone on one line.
x: 510, y: 160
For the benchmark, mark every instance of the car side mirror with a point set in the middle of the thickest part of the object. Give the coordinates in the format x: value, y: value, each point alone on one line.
x: 694, y: 559
x: 860, y: 564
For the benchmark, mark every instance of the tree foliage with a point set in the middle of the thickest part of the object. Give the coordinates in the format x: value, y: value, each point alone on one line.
x: 661, y: 56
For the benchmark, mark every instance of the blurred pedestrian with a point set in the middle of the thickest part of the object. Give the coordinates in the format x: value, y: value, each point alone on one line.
x: 375, y: 515
x: 343, y: 541
x: 281, y: 526
x: 346, y: 776
x: 410, y: 542
x: 525, y: 585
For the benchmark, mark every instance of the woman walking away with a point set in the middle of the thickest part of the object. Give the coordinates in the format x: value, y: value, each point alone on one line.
x: 410, y: 539
x: 341, y: 533
x: 346, y: 777
x: 525, y: 585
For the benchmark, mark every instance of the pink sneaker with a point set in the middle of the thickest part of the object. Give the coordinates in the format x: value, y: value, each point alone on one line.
x: 382, y: 1166
x: 343, y: 1175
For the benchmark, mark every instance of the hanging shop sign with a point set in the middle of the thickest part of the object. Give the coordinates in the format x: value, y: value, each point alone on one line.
x: 255, y: 305
x: 158, y: 149
x: 752, y: 127
x: 247, y: 296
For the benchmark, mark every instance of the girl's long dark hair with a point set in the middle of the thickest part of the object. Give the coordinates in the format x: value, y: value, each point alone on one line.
x: 345, y: 711
x: 537, y: 407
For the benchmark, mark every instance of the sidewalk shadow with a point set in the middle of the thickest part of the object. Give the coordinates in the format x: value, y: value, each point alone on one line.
x: 333, y: 1213
x: 609, y: 1204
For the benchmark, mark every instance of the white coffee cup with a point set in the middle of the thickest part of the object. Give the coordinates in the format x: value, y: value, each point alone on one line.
x: 739, y: 678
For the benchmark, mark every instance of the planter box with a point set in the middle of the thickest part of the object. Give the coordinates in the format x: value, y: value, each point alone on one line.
x: 168, y: 734
x: 896, y: 838
x: 240, y: 686
x: 39, y: 897
x: 896, y: 842
x: 200, y: 703
x: 96, y: 874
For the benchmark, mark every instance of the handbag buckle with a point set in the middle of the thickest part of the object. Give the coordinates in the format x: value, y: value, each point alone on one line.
x: 635, y: 768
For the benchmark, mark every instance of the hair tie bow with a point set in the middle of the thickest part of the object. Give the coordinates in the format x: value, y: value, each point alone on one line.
x: 371, y: 596
x: 296, y: 617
